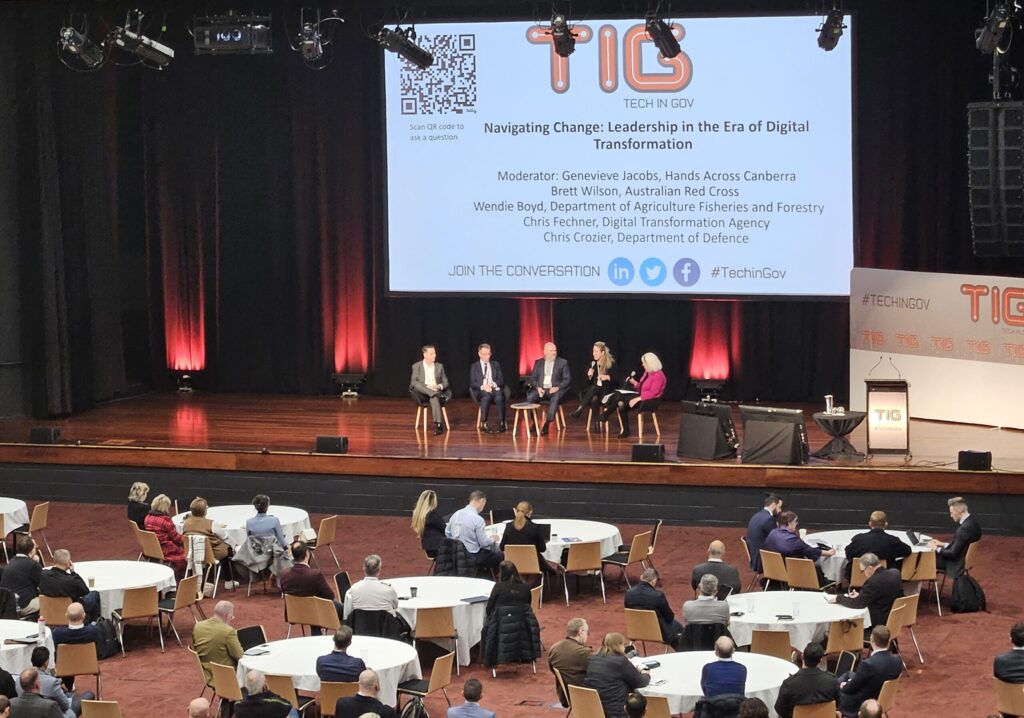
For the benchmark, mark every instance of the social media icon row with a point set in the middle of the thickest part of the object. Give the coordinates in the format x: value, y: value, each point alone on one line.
x: 653, y: 272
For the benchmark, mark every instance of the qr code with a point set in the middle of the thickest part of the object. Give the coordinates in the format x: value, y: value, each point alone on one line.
x: 448, y: 87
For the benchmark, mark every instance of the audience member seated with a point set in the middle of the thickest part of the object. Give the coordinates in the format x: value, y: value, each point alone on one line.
x: 870, y: 708
x: 77, y: 630
x: 715, y: 565
x: 882, y: 586
x: 600, y: 382
x: 5, y: 707
x: 550, y: 380
x: 138, y: 506
x: 301, y: 580
x: 197, y: 524
x: 509, y: 590
x: 636, y: 705
x: 171, y: 542
x: 21, y: 576
x: 521, y: 531
x: 570, y: 656
x: 30, y: 704
x: 760, y: 525
x: 259, y: 702
x: 753, y: 708
x: 950, y: 556
x: 613, y: 676
x: 365, y: 701
x: 199, y: 708
x: 60, y: 580
x: 370, y: 593
x: 645, y: 596
x: 807, y: 686
x: 878, y: 541
x: 1009, y: 666
x: 7, y: 687
x: 469, y: 528
x: 264, y: 524
x: 53, y: 688
x: 724, y: 676
x: 487, y: 386
x: 511, y: 632
x: 786, y: 540
x: 338, y: 665
x: 216, y: 641
x: 428, y: 523
x: 871, y: 673
x: 472, y: 691
x: 706, y: 608
x: 649, y: 388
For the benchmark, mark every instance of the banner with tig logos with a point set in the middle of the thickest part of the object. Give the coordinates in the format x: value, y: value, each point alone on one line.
x: 958, y: 339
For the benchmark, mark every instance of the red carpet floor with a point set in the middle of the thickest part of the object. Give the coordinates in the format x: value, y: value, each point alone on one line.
x: 954, y: 681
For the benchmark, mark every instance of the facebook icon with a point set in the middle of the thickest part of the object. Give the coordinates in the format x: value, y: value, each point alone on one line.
x: 620, y: 271
x: 686, y: 272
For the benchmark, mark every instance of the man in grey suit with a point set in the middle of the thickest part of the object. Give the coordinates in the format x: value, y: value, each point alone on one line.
x: 550, y: 380
x: 707, y: 608
x: 715, y: 565
x: 30, y: 704
x: 429, y: 382
x: 52, y: 687
x: 471, y: 691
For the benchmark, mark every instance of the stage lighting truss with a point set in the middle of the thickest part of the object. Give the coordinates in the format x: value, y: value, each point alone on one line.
x: 76, y: 51
x: 315, y: 38
x: 403, y: 43
x: 831, y: 29
x: 131, y: 38
x: 562, y: 36
x: 661, y: 35
x: 988, y: 38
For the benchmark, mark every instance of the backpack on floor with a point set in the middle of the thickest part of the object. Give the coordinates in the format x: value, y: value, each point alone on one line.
x: 107, y: 644
x: 414, y: 709
x: 967, y: 595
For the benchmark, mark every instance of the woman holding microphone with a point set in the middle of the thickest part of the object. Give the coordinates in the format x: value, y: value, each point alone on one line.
x: 647, y: 395
x: 599, y: 381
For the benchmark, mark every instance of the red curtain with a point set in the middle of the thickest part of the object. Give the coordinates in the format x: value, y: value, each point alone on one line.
x: 716, y: 339
x: 536, y: 327
x: 184, y: 295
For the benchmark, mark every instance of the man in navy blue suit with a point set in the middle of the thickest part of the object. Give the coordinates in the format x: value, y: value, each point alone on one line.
x: 550, y: 380
x: 337, y: 665
x: 866, y: 682
x: 1009, y: 666
x: 759, y: 526
x: 724, y: 675
x: 487, y: 386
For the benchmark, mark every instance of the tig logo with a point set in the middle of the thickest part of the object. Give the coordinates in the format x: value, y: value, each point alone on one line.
x: 889, y: 415
x: 1008, y: 311
x: 677, y: 79
x: 687, y: 272
x: 620, y: 271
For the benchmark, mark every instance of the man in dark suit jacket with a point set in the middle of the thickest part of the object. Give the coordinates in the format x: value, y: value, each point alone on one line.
x: 22, y: 575
x: 1009, y: 666
x: 365, y: 701
x: 724, y: 675
x: 338, y: 665
x: 759, y: 526
x: 60, y: 580
x: 866, y: 682
x: 487, y: 385
x: 876, y: 540
x: 301, y: 580
x: 77, y: 630
x: 715, y: 565
x: 645, y: 596
x: 882, y: 587
x: 807, y: 686
x: 30, y: 704
x: 550, y: 380
x: 950, y: 556
x: 429, y: 382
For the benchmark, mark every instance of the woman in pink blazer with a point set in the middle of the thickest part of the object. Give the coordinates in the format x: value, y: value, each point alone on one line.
x: 651, y: 385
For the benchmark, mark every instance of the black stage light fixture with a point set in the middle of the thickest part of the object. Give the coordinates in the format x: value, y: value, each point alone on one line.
x: 403, y: 43
x: 562, y: 36
x: 232, y: 34
x: 990, y: 34
x: 130, y: 39
x: 830, y: 30
x: 660, y: 33
x: 76, y: 43
x: 310, y: 42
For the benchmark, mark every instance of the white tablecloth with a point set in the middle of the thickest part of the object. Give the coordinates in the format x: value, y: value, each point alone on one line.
x: 681, y: 673
x: 16, y: 657
x: 811, y: 612
x: 585, y: 531
x: 112, y: 578
x: 442, y: 592
x: 15, y: 514
x: 233, y: 518
x: 833, y: 566
x: 394, y: 662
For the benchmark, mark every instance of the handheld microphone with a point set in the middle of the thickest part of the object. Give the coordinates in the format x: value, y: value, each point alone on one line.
x: 632, y: 375
x: 593, y: 364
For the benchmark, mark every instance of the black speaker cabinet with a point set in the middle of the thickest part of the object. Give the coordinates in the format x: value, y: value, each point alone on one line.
x: 995, y: 163
x: 974, y: 461
x: 771, y: 442
x: 44, y: 435
x: 701, y: 437
x: 650, y: 453
x: 332, y: 444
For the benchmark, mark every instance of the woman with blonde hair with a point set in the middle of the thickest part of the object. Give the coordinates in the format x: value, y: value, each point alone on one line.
x: 523, y: 532
x: 648, y: 391
x: 600, y: 382
x: 613, y: 676
x: 138, y: 507
x: 428, y: 523
x: 159, y: 522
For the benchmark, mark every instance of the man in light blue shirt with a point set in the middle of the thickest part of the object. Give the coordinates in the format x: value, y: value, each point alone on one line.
x: 467, y: 526
x: 263, y: 524
x: 471, y: 691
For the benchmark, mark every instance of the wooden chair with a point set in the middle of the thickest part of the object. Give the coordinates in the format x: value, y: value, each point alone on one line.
x: 857, y: 577
x: 1009, y: 698
x: 773, y: 568
x: 643, y: 626
x: 802, y: 576
x: 199, y: 559
x: 331, y: 692
x: 846, y: 635
x: 79, y: 659
x: 202, y: 673
x: 654, y: 542
x: 37, y: 523
x: 750, y: 562
x: 225, y: 684
x: 186, y: 597
x: 640, y: 423
x: 251, y: 636
x: 583, y: 558
x: 325, y: 538
x: 150, y: 545
x: 560, y: 682
x: 304, y: 611
x: 139, y: 603
x: 771, y: 643
x: 54, y: 610
x: 639, y: 548
x: 585, y: 702
x: 816, y: 710
x: 887, y: 696
x: 437, y: 623
x: 526, y: 560
x: 909, y: 618
x: 423, y: 410
x: 342, y: 583
x: 920, y: 567
x: 970, y: 560
x: 440, y: 678
x: 605, y: 425
x: 657, y: 707
x: 895, y: 626
x: 283, y: 686
x: 101, y: 709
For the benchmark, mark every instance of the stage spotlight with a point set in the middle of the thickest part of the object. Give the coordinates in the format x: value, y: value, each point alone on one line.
x: 130, y: 39
x: 562, y: 36
x: 402, y: 43
x: 709, y: 389
x: 349, y: 384
x: 185, y: 384
x: 988, y: 36
x: 309, y: 42
x: 831, y: 30
x: 76, y: 43
x: 661, y: 33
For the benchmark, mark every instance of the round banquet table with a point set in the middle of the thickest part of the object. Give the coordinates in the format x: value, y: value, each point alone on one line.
x: 444, y: 592
x: 15, y: 514
x: 393, y: 661
x: 811, y: 612
x: 838, y: 426
x: 112, y: 578
x: 833, y: 566
x: 563, y: 529
x: 232, y: 519
x: 681, y: 673
x: 16, y: 657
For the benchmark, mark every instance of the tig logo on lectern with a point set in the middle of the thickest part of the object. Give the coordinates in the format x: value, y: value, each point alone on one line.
x: 621, y: 271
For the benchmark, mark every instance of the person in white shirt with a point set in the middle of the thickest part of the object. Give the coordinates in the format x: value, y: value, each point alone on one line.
x: 371, y: 594
x: 467, y: 526
x: 429, y: 383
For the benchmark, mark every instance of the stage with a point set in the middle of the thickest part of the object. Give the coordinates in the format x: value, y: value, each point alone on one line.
x: 229, y: 446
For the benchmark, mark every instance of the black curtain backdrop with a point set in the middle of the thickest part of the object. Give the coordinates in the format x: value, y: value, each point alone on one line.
x: 241, y: 198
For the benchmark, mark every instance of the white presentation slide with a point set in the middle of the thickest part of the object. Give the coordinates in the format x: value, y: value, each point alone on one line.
x: 726, y: 170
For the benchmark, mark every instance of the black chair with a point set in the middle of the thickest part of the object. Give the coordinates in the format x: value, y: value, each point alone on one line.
x: 726, y: 705
x: 251, y: 636
x: 702, y: 636
x: 379, y: 624
x: 342, y: 583
x: 8, y: 605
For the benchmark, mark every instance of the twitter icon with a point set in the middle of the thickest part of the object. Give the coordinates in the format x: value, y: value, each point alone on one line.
x: 653, y: 271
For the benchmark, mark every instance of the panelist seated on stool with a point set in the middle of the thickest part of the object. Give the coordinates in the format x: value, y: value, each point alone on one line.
x: 649, y: 389
x: 429, y: 385
x: 550, y: 381
x: 487, y: 386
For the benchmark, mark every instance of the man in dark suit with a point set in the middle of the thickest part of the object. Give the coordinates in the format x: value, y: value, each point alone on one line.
x: 487, y: 385
x: 724, y: 675
x: 715, y: 565
x: 881, y: 588
x: 60, y: 580
x: 759, y: 526
x: 429, y: 382
x: 301, y: 580
x: 550, y: 380
x: 337, y: 665
x: 77, y: 630
x: 645, y: 596
x: 365, y: 701
x: 1009, y: 666
x: 876, y: 540
x: 807, y: 686
x: 950, y: 556
x: 866, y: 682
x: 22, y: 575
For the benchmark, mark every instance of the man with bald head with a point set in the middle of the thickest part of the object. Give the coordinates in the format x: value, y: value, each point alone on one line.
x: 715, y: 565
x: 724, y: 675
x: 199, y: 708
x: 216, y: 641
x: 870, y: 709
x: 30, y: 704
x: 877, y: 540
x: 365, y: 701
x: 77, y: 630
x: 260, y: 702
x: 550, y: 380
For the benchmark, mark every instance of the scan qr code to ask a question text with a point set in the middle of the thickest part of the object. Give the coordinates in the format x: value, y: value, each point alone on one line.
x: 448, y: 87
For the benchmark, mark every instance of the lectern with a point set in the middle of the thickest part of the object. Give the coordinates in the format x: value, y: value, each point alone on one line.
x: 888, y: 416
